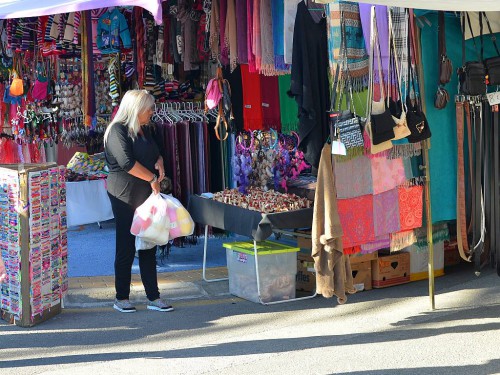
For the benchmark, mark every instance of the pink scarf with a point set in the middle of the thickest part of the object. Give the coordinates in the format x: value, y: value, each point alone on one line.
x: 387, y: 174
x: 256, y: 46
x: 356, y: 217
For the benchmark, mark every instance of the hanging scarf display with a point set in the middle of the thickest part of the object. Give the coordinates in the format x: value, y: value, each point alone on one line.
x: 354, y: 178
x: 387, y: 174
x: 278, y: 13
x: 289, y: 25
x: 250, y: 54
x: 383, y: 32
x: 440, y: 233
x: 256, y: 37
x: 288, y: 106
x: 401, y: 240
x: 140, y: 41
x: 386, y: 212
x: 252, y: 100
x: 270, y: 103
x: 231, y: 34
x: 214, y: 30
x: 267, y: 43
x: 410, y: 207
x: 356, y: 217
x: 241, y: 30
x: 357, y: 58
x: 382, y: 242
x: 223, y: 41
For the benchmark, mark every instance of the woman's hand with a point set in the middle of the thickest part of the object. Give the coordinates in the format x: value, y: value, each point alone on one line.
x: 160, y: 168
x: 155, y: 185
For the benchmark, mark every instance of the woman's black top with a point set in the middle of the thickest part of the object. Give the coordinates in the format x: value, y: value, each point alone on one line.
x: 122, y: 152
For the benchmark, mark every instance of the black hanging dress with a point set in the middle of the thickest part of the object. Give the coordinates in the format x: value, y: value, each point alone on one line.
x: 309, y: 82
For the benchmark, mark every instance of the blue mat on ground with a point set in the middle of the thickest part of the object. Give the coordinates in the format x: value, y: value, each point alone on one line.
x: 91, y: 252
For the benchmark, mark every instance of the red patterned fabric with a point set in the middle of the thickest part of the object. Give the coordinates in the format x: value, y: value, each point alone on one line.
x: 356, y: 217
x: 410, y: 207
x: 352, y: 250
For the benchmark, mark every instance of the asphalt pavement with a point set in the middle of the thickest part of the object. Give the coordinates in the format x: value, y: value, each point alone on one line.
x: 382, y: 331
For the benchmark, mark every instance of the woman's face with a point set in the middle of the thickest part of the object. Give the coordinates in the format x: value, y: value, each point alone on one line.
x: 145, y: 116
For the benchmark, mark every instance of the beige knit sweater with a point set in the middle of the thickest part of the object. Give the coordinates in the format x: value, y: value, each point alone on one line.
x: 333, y: 269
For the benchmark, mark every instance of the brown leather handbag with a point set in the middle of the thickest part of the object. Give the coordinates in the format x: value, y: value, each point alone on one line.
x: 441, y: 98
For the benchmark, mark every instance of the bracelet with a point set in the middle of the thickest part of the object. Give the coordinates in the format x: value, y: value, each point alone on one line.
x: 154, y: 179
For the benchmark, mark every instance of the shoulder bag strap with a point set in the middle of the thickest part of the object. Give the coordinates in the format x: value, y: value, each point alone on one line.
x: 392, y: 45
x: 370, y: 65
x: 379, y: 60
x: 479, y: 55
x: 492, y: 35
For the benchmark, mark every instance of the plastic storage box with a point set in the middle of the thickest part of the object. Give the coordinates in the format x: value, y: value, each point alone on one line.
x: 277, y: 270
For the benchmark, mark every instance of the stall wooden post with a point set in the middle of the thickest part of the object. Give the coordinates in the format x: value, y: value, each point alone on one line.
x: 88, y: 92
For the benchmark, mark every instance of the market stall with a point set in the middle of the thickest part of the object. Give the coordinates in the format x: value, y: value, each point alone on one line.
x: 238, y: 107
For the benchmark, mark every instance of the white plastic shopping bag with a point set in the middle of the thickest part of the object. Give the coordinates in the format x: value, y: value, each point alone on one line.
x: 151, y: 223
x: 181, y: 223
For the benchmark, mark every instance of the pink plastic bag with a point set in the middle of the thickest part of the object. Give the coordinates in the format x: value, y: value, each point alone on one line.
x: 181, y: 223
x: 151, y: 223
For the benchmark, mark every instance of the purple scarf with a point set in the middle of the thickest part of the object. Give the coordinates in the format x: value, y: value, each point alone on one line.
x: 224, y: 50
x: 241, y: 28
x: 383, y: 32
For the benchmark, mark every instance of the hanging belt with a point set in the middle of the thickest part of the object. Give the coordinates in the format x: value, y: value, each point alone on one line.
x: 478, y: 196
x: 462, y: 241
x: 496, y: 192
x: 469, y: 190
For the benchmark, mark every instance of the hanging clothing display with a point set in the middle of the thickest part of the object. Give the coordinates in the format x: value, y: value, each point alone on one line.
x: 309, y: 82
x: 288, y: 106
x: 289, y: 27
x: 333, y: 269
x: 357, y: 57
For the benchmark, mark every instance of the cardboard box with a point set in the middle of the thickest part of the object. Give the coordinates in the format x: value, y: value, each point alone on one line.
x: 305, y: 279
x: 302, y: 242
x: 451, y: 254
x: 362, y: 275
x: 419, y: 261
x: 391, y: 270
x: 361, y: 258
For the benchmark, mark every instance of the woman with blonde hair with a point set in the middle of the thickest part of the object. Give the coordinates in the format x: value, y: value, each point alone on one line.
x: 135, y: 170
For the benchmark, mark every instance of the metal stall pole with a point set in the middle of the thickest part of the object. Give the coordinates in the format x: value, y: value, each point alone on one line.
x: 427, y: 186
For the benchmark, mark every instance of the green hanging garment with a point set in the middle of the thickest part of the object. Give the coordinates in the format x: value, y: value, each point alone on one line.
x: 288, y: 107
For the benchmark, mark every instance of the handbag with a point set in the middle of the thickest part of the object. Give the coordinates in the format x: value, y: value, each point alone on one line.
x: 382, y: 124
x: 416, y: 119
x: 345, y: 125
x: 441, y: 98
x: 492, y: 64
x: 40, y: 87
x: 398, y: 113
x: 472, y: 74
x: 445, y: 65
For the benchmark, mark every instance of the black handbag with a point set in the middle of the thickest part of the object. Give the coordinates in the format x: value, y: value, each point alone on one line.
x: 382, y: 124
x: 415, y: 117
x: 492, y: 64
x: 472, y: 74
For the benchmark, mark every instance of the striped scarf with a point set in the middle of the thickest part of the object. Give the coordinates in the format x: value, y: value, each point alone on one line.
x: 400, y: 34
x: 357, y: 58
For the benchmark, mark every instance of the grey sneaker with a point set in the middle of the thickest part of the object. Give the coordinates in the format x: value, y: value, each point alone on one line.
x: 124, y: 306
x: 159, y: 305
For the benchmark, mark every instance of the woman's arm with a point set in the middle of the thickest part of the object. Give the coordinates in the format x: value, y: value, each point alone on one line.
x: 139, y: 171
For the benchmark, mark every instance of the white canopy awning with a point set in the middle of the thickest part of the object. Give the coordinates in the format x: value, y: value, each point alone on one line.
x: 35, y: 8
x: 449, y: 5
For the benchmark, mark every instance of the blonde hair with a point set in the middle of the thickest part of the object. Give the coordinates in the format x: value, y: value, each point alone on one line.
x: 133, y: 103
